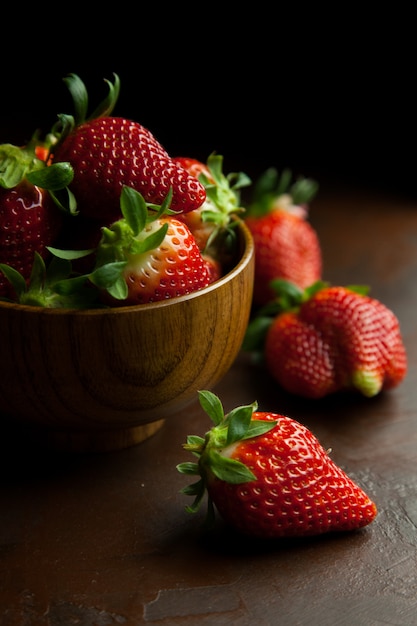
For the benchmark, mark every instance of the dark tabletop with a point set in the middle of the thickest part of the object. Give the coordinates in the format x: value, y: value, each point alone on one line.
x: 104, y: 539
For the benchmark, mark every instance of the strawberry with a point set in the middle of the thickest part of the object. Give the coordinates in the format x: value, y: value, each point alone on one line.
x: 29, y: 222
x: 213, y: 223
x: 286, y: 244
x: 30, y: 219
x: 194, y: 167
x: 145, y: 256
x: 107, y: 153
x: 269, y: 476
x: 328, y: 339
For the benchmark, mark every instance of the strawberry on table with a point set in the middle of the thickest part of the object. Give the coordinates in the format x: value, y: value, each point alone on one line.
x: 286, y: 244
x: 269, y: 476
x: 108, y: 152
x: 328, y: 339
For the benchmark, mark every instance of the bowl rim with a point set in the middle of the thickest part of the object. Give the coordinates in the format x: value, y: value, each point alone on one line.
x: 247, y: 253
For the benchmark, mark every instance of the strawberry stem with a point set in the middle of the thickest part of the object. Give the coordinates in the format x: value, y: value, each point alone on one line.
x: 228, y: 430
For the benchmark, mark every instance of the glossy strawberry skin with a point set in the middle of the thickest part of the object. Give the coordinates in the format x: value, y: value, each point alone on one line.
x: 175, y: 268
x: 200, y: 228
x: 337, y: 340
x: 29, y: 222
x: 193, y: 166
x: 298, y: 490
x: 287, y: 247
x: 109, y: 152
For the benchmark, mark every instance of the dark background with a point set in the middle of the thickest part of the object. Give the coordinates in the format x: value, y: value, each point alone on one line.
x: 330, y: 97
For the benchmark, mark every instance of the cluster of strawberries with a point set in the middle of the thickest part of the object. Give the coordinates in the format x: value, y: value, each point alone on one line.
x: 314, y: 338
x: 267, y: 474
x: 95, y: 215
x: 99, y: 214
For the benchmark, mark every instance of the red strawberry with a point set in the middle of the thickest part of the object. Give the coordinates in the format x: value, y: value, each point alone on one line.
x: 213, y: 223
x: 29, y: 222
x: 286, y: 244
x: 194, y: 167
x: 146, y: 257
x: 269, y: 476
x: 107, y: 153
x: 29, y: 216
x: 329, y: 339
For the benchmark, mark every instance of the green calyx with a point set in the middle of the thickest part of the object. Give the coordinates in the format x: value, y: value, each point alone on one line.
x: 222, y: 202
x: 288, y: 297
x: 42, y: 288
x: 127, y: 238
x: 17, y: 164
x: 224, y: 192
x: 66, y: 123
x: 228, y: 430
x: 271, y: 185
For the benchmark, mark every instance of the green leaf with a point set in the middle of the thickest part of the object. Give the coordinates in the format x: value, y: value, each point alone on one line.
x: 212, y: 405
x: 79, y: 95
x: 289, y: 293
x: 70, y: 286
x: 310, y: 291
x: 152, y: 241
x: 255, y: 335
x: 61, y: 129
x: 303, y: 191
x: 38, y: 273
x: 52, y: 177
x: 198, y: 490
x: 65, y: 200
x: 70, y: 255
x: 15, y: 162
x: 195, y: 440
x: 359, y: 289
x: 107, y: 275
x: 134, y: 209
x: 238, y: 421
x: 118, y: 289
x: 229, y: 470
x: 193, y: 489
x: 259, y: 427
x: 58, y: 269
x: 271, y: 185
x: 107, y: 105
x: 188, y: 468
x: 15, y: 278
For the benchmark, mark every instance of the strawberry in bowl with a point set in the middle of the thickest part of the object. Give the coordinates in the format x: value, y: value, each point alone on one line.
x: 119, y: 325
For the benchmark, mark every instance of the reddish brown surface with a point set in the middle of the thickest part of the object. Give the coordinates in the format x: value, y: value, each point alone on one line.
x: 104, y: 539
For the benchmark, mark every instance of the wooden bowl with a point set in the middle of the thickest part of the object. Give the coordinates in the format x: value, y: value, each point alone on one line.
x: 104, y: 379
